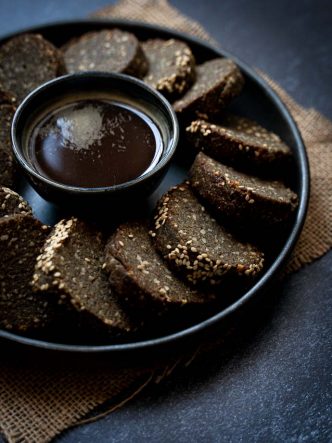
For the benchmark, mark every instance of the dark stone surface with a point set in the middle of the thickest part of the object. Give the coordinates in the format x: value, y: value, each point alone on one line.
x: 272, y: 381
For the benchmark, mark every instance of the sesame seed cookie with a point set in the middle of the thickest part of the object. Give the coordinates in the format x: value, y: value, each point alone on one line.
x: 27, y: 61
x: 243, y: 198
x: 171, y: 66
x: 242, y: 143
x: 7, y: 169
x: 107, y: 50
x: 21, y: 237
x: 12, y: 203
x: 195, y: 245
x: 70, y: 268
x: 218, y: 81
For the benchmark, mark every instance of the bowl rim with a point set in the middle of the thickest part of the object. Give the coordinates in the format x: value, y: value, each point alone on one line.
x: 166, y: 155
x: 274, y: 268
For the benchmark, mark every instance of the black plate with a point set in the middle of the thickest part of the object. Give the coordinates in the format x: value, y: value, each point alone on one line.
x: 257, y: 101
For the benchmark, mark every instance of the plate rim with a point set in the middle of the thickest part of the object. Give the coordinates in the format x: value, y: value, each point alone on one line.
x: 276, y: 265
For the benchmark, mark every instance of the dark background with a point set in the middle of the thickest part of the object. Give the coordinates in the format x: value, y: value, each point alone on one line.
x: 271, y: 382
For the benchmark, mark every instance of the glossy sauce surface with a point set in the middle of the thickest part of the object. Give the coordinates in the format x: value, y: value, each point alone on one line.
x: 94, y: 143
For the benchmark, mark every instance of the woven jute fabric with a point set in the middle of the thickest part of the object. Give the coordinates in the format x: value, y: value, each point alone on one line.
x: 37, y: 403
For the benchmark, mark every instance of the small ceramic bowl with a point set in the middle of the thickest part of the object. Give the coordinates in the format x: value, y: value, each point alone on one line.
x: 126, y: 89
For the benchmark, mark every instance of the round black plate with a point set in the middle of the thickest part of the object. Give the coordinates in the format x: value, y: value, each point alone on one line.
x: 257, y: 101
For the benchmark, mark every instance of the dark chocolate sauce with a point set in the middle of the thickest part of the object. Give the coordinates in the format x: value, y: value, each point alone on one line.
x: 94, y: 143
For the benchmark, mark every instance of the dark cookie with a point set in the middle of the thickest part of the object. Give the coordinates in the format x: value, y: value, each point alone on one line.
x: 241, y: 143
x: 70, y: 268
x: 171, y: 66
x: 26, y: 62
x: 7, y: 171
x: 12, y: 203
x: 107, y: 50
x: 217, y: 82
x: 21, y: 237
x: 196, y: 245
x: 245, y: 199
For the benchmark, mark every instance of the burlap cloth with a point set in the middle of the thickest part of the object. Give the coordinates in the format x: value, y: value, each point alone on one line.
x: 37, y: 404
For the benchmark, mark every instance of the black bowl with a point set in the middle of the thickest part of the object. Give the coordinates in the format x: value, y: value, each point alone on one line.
x: 257, y: 101
x: 126, y: 89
